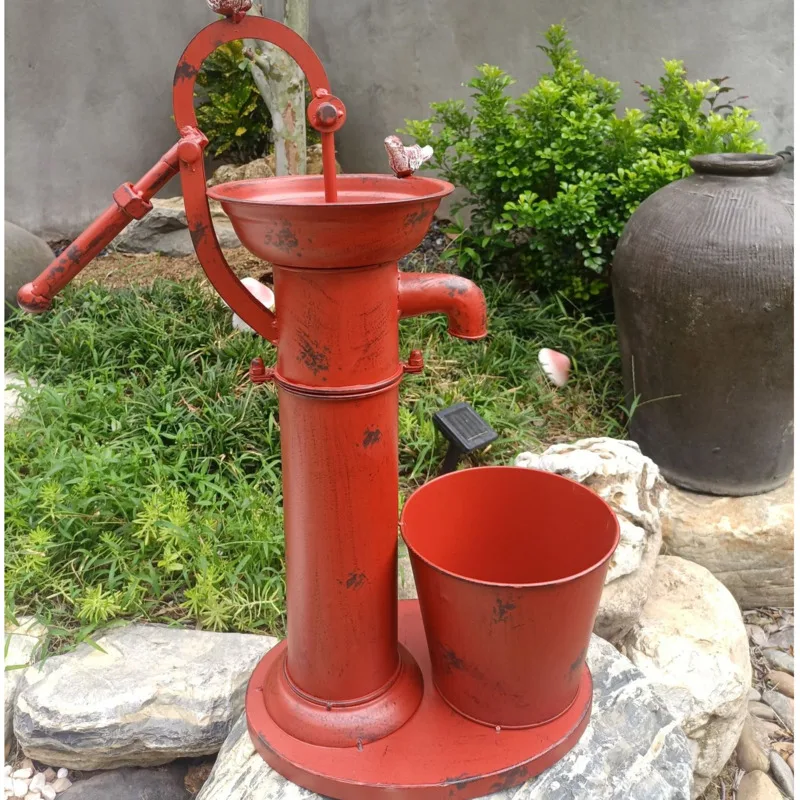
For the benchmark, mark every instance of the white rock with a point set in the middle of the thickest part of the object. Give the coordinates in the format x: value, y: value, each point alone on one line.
x: 747, y: 542
x: 20, y: 787
x: 37, y: 783
x: 155, y: 694
x: 7, y: 769
x: 49, y: 793
x: 24, y: 773
x: 63, y: 772
x: 33, y: 796
x: 633, y: 749
x: 61, y: 784
x: 691, y: 642
x: 632, y: 485
x: 21, y: 642
x: 8, y: 783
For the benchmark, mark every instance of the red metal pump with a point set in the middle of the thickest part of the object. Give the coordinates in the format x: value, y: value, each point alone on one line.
x: 345, y: 705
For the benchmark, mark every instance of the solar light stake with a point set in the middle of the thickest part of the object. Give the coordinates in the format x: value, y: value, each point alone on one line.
x: 465, y: 430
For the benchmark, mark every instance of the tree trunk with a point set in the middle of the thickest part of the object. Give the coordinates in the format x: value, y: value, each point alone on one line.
x: 282, y: 85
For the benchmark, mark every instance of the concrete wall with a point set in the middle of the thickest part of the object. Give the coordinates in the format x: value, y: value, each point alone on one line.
x: 88, y: 83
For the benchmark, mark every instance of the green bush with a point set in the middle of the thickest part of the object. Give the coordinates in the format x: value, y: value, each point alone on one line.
x: 552, y: 177
x: 231, y: 111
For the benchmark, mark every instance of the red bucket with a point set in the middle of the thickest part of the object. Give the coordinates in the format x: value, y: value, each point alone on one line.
x: 509, y: 565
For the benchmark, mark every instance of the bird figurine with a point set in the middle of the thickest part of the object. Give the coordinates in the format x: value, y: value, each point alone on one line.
x: 403, y: 160
x: 262, y: 293
x: 231, y: 8
x: 555, y: 365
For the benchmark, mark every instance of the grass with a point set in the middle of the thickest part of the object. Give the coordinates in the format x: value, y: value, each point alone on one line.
x: 143, y: 479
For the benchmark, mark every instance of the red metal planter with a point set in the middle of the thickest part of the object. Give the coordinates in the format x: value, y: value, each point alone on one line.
x: 509, y: 565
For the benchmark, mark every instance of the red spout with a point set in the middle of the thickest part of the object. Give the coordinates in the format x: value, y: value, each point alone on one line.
x: 459, y: 298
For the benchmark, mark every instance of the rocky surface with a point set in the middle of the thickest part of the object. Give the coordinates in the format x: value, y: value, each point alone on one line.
x: 691, y: 642
x: 24, y: 780
x: 632, y: 485
x: 22, y: 642
x: 26, y: 256
x: 154, y: 694
x: 746, y: 542
x: 160, y: 783
x: 633, y: 749
x: 165, y: 230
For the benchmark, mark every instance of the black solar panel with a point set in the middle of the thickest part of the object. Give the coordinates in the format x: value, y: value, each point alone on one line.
x: 461, y: 426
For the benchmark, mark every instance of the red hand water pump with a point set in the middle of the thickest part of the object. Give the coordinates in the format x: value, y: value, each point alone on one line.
x: 346, y: 705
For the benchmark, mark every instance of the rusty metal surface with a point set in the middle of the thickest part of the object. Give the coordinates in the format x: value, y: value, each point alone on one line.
x: 509, y: 565
x: 437, y: 754
x: 376, y: 219
x: 130, y: 202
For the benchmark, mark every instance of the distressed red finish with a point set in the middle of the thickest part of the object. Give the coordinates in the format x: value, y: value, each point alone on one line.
x: 508, y: 618
x: 346, y: 705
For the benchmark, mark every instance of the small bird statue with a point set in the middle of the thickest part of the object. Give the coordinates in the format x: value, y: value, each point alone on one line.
x: 403, y: 160
x: 262, y: 293
x: 231, y: 8
x: 555, y: 365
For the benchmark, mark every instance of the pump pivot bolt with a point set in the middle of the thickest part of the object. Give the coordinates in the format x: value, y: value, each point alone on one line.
x: 327, y: 114
x: 415, y: 364
x: 259, y: 373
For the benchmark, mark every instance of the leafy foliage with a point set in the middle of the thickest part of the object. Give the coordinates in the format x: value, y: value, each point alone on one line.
x: 143, y: 480
x: 231, y: 111
x: 552, y: 177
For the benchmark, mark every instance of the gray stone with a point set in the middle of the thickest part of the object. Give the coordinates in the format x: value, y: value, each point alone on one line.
x: 165, y: 230
x: 754, y: 695
x: 746, y: 542
x: 632, y: 485
x: 160, y: 783
x: 779, y: 660
x: 26, y: 256
x: 760, y: 710
x: 782, y: 774
x: 691, y: 642
x: 757, y: 786
x: 782, y: 706
x: 22, y: 642
x: 632, y: 750
x: 782, y: 681
x: 154, y: 694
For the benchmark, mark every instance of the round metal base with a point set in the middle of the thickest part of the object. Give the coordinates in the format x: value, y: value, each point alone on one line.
x: 436, y: 754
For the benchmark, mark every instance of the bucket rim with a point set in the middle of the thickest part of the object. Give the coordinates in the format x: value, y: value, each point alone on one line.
x: 535, y: 585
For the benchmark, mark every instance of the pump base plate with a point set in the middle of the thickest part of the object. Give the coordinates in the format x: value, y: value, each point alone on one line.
x: 436, y: 754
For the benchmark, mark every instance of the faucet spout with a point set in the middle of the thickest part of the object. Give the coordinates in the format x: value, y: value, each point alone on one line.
x: 432, y: 293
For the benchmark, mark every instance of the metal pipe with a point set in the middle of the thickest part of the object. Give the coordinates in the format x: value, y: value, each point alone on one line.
x: 460, y: 299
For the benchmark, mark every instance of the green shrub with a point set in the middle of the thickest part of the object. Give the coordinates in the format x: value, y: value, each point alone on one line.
x: 231, y: 111
x: 552, y: 177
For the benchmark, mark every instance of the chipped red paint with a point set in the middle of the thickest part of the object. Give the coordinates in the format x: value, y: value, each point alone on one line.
x: 130, y: 202
x: 346, y: 706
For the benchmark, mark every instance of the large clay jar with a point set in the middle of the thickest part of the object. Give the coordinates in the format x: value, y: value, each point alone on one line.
x: 703, y: 291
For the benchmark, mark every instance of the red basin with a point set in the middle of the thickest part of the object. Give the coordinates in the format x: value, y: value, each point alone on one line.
x: 376, y: 219
x: 509, y: 565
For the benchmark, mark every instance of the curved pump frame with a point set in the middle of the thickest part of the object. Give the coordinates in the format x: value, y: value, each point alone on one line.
x: 326, y: 114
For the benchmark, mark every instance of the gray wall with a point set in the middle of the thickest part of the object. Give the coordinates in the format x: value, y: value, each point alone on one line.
x: 88, y: 81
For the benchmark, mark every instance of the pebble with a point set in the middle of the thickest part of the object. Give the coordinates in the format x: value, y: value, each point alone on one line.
x: 8, y: 784
x: 62, y: 773
x: 49, y: 793
x: 23, y: 773
x: 768, y: 729
x: 61, y: 784
x: 782, y: 681
x: 37, y: 783
x: 761, y: 710
x: 49, y: 774
x: 779, y: 660
x: 20, y: 787
x: 749, y: 755
x: 26, y: 763
x: 782, y: 706
x: 7, y: 770
x: 782, y: 774
x: 757, y: 786
x: 754, y: 695
x: 33, y: 796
